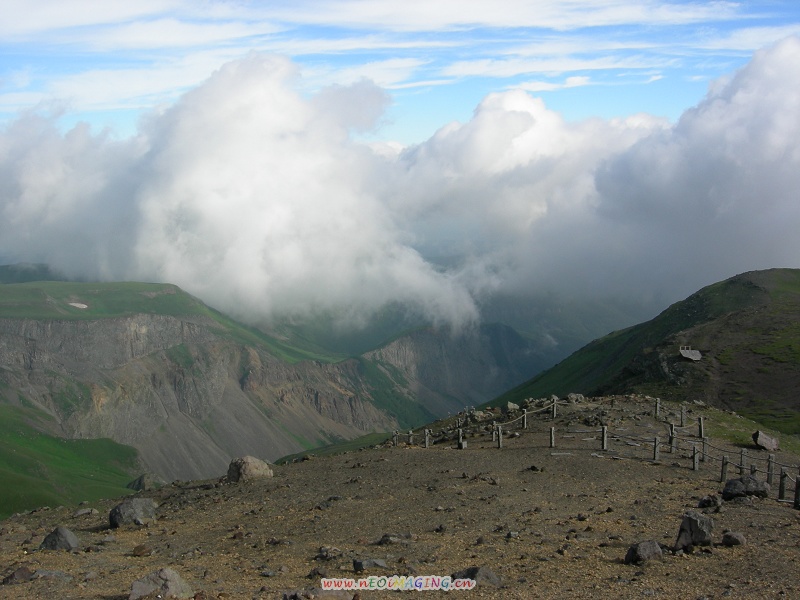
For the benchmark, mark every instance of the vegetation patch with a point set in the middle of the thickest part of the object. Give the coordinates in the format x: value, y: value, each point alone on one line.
x: 37, y: 469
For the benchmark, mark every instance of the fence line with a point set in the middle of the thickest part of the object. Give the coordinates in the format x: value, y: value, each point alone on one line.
x: 701, y: 446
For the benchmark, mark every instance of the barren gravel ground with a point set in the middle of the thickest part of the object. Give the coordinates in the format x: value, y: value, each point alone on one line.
x: 560, y: 531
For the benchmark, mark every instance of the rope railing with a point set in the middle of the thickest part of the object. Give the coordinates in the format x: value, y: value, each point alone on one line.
x: 700, y: 446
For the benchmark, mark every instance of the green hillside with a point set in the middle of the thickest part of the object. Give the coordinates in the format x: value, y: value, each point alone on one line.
x: 37, y: 469
x: 747, y: 329
x: 66, y: 300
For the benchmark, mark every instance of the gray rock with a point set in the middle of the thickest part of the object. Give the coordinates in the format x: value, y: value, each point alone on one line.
x: 247, y: 467
x: 695, y: 530
x: 362, y: 564
x: 643, y: 551
x: 82, y: 512
x: 132, y: 511
x: 60, y: 538
x: 712, y: 501
x: 165, y: 582
x: 745, y: 486
x: 762, y: 440
x: 733, y: 538
x: 22, y: 574
x: 511, y: 407
x: 481, y: 576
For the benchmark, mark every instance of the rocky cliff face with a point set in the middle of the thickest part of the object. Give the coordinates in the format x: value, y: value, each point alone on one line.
x: 186, y: 398
x: 190, y: 399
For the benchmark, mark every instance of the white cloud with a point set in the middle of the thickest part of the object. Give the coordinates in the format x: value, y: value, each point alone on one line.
x: 257, y: 199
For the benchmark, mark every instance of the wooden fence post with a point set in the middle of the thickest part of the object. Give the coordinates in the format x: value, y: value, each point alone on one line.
x: 683, y: 415
x: 770, y: 469
x: 499, y: 436
x: 742, y: 459
x: 658, y: 408
x: 410, y: 437
x: 656, y: 449
x: 704, y: 455
x: 605, y: 437
x: 394, y: 438
x: 701, y: 427
x: 524, y: 418
x: 782, y: 484
x: 461, y: 441
x: 673, y: 439
x: 494, y: 431
x: 555, y: 410
x: 552, y: 437
x: 723, y: 476
x: 695, y: 458
x: 427, y: 438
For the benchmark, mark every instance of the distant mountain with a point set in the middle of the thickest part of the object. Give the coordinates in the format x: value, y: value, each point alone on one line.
x: 747, y: 330
x: 152, y: 367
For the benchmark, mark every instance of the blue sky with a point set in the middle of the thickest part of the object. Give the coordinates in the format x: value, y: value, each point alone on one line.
x: 108, y: 62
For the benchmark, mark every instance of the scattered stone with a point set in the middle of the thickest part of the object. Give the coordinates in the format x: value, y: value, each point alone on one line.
x: 132, y: 511
x: 511, y: 407
x: 142, y: 550
x: 642, y: 552
x: 695, y: 530
x: 82, y: 512
x: 164, y: 582
x: 362, y: 564
x: 60, y: 538
x: 712, y: 501
x: 762, y: 440
x: 394, y: 538
x: 745, y: 486
x: 248, y: 467
x: 733, y: 538
x: 481, y: 575
x: 22, y: 574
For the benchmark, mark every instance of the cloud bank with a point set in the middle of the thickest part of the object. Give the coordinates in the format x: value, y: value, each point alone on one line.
x: 260, y: 201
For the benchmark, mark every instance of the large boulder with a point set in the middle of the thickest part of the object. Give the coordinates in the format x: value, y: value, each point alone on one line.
x: 166, y: 583
x: 695, y: 530
x: 745, y: 486
x: 762, y: 440
x: 248, y: 467
x: 132, y: 511
x: 60, y: 538
x: 644, y: 551
x: 144, y: 482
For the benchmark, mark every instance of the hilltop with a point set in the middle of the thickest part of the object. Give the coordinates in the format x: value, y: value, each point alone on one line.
x: 747, y: 330
x: 549, y: 522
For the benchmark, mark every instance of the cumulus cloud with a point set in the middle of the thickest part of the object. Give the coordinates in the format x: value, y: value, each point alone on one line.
x: 258, y: 200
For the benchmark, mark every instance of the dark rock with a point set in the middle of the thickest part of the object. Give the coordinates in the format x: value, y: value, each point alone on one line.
x: 82, y: 512
x: 132, y: 511
x: 712, y: 501
x: 643, y: 551
x: 247, y: 467
x: 733, y: 538
x: 695, y: 530
x: 362, y: 564
x: 745, y: 486
x: 165, y: 582
x: 22, y: 574
x: 60, y: 538
x: 481, y: 576
x: 762, y: 440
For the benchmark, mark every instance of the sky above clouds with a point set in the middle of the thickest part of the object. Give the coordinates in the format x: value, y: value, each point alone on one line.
x: 290, y: 157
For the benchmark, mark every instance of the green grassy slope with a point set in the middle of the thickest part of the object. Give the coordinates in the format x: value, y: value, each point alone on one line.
x: 747, y: 327
x: 64, y: 300
x: 37, y: 469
